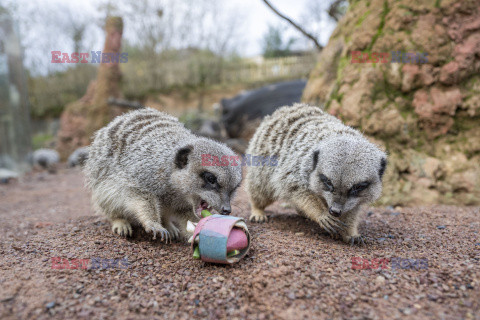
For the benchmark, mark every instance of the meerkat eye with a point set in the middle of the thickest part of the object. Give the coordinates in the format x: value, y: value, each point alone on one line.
x: 326, y: 182
x: 356, y: 189
x: 209, y: 177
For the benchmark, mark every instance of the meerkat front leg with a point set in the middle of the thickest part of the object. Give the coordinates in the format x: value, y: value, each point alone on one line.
x: 351, y: 234
x: 258, y: 206
x: 313, y: 208
x: 121, y: 227
x: 172, y: 229
x: 147, y: 212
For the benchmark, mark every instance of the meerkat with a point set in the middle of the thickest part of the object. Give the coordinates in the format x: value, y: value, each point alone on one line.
x: 325, y: 169
x: 145, y: 168
x: 47, y: 159
x: 78, y: 157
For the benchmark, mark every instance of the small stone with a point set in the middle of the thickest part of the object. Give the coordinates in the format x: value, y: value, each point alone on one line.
x: 291, y: 296
x: 50, y: 305
x: 407, y: 311
x: 369, y: 213
x: 440, y: 227
x: 380, y: 281
x: 432, y: 297
x: 299, y: 233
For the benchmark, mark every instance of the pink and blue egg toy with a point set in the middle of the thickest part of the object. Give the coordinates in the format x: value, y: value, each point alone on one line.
x: 219, y: 239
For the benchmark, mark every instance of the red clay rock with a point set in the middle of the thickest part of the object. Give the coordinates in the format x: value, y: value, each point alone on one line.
x: 411, y: 77
x: 449, y: 73
x: 426, y: 107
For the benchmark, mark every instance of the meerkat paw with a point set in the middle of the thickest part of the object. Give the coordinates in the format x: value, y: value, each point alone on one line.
x: 155, y: 227
x: 354, y: 239
x: 332, y: 225
x: 122, y: 227
x: 174, y: 231
x: 258, y: 216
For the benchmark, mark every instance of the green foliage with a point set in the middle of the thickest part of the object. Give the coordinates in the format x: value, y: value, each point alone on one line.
x: 274, y: 44
x: 42, y: 140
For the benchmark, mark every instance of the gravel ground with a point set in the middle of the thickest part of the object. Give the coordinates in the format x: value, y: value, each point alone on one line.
x: 293, y: 271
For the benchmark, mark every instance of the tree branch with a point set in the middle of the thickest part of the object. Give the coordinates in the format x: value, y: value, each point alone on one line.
x: 296, y: 26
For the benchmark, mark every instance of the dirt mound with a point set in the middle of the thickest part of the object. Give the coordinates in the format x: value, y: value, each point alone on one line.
x: 425, y: 110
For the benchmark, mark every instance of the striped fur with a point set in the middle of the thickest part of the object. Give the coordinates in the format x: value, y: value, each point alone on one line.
x: 134, y: 178
x: 308, y: 143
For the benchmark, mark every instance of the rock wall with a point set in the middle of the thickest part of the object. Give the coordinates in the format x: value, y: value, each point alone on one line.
x: 426, y: 115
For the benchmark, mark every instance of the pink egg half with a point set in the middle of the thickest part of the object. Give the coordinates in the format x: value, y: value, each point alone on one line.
x: 237, y: 240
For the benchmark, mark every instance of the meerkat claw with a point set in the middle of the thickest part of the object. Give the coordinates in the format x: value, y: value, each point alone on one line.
x: 357, y: 240
x: 174, y: 232
x: 258, y: 219
x: 157, y: 228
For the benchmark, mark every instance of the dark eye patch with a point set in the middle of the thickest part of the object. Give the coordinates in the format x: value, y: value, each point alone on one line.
x: 235, y: 188
x: 210, y: 180
x: 359, y: 187
x: 326, y: 183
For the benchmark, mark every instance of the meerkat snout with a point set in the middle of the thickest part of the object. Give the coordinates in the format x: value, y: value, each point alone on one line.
x: 334, y: 210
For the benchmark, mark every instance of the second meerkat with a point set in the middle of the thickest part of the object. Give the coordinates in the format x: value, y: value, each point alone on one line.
x: 146, y: 168
x: 325, y: 169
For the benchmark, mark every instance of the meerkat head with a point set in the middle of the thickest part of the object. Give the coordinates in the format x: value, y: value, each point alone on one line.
x: 206, y: 184
x: 347, y: 172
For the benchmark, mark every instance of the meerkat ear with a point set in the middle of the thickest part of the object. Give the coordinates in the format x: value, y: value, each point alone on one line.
x: 383, y: 165
x: 181, y: 158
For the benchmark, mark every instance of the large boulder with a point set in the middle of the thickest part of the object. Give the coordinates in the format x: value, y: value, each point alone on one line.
x: 426, y: 115
x: 242, y: 113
